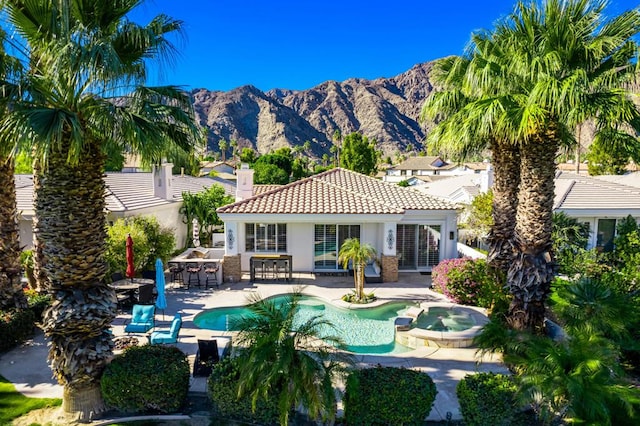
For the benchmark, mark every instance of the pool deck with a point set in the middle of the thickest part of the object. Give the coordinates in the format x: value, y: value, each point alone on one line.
x: 27, y: 368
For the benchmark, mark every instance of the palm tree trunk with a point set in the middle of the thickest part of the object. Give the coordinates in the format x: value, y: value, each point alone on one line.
x: 72, y: 229
x: 529, y: 277
x: 506, y: 163
x: 38, y: 255
x: 11, y: 293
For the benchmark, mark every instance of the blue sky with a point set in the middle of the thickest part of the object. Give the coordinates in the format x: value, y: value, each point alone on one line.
x: 300, y: 44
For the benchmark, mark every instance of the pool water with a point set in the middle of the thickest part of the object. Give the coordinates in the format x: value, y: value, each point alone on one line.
x: 365, y: 331
x: 438, y: 318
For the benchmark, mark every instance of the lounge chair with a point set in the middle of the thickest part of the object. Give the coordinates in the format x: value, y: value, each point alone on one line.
x: 170, y: 336
x: 142, y: 319
x: 206, y: 356
x: 372, y: 273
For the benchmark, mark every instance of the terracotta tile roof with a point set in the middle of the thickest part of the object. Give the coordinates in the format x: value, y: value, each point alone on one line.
x: 338, y: 191
x: 261, y: 189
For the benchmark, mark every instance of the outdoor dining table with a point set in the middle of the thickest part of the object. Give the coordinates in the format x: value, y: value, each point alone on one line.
x: 128, y: 286
x: 263, y: 262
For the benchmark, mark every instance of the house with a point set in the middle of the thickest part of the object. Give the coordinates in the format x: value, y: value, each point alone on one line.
x: 310, y: 219
x: 427, y: 166
x: 157, y: 193
x: 223, y: 169
x: 596, y: 201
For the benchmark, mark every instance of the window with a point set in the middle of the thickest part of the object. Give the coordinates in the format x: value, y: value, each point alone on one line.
x: 266, y: 237
x: 606, y: 234
x: 328, y: 240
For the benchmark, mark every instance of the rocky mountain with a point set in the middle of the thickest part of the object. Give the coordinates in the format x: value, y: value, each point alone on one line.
x: 384, y: 109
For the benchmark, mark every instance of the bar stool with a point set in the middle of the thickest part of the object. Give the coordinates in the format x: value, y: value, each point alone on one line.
x: 211, y: 271
x: 194, y: 274
x: 176, y: 270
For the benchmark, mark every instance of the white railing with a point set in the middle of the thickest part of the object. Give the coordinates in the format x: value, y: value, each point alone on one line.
x: 466, y: 251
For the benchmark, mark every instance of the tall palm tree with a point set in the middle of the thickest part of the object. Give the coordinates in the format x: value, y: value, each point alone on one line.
x: 571, y: 65
x: 83, y: 92
x: 469, y: 107
x: 352, y: 251
x: 11, y: 294
x: 549, y: 67
x: 295, y: 360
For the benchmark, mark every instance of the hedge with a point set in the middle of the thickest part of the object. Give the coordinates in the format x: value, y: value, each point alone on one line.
x: 16, y: 326
x: 147, y: 379
x: 487, y: 399
x: 388, y: 396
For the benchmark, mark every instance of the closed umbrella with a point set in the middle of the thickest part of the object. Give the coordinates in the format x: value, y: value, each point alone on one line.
x: 161, y: 301
x: 130, y: 268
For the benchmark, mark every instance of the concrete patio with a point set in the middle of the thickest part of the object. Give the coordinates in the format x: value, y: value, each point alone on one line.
x: 26, y: 365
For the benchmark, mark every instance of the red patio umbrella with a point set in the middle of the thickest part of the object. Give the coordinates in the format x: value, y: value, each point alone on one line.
x: 130, y: 269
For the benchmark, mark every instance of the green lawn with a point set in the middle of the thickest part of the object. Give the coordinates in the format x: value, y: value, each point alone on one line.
x: 13, y: 404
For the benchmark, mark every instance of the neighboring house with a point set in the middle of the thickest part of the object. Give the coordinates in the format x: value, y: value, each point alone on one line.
x: 223, y: 169
x: 423, y: 167
x: 597, y: 202
x: 156, y: 194
x: 310, y: 219
x: 461, y: 188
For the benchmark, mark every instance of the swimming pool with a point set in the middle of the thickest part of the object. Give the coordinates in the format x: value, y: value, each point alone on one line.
x: 364, y: 330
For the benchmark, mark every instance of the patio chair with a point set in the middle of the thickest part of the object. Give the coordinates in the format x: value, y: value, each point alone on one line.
x: 176, y: 270
x: 150, y: 275
x: 206, y: 356
x: 116, y: 276
x: 145, y: 294
x: 142, y: 319
x: 193, y: 270
x: 211, y: 271
x: 170, y: 336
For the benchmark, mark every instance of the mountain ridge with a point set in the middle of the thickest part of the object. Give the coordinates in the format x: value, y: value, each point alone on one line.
x: 384, y: 109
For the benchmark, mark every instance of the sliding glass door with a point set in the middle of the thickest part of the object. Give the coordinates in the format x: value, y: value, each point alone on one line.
x: 328, y: 239
x: 418, y: 246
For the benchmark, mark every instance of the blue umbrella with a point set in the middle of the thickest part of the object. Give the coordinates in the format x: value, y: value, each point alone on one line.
x: 161, y: 301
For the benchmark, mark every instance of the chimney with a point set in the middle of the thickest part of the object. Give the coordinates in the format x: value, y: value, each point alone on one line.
x: 486, y: 179
x: 162, y: 185
x: 244, y: 182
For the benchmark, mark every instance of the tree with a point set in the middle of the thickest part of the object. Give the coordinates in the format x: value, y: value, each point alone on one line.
x: 269, y: 174
x: 336, y: 138
x: 359, y: 154
x: 587, y: 78
x: 234, y: 147
x: 248, y: 155
x: 569, y: 238
x: 223, y: 145
x: 544, y: 80
x: 84, y: 92
x: 202, y: 206
x: 468, y: 124
x: 358, y: 255
x: 479, y: 215
x: 603, y: 160
x: 11, y: 294
x: 295, y: 360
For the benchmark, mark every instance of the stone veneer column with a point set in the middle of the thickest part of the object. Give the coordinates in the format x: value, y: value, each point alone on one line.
x: 231, y: 269
x: 389, y: 269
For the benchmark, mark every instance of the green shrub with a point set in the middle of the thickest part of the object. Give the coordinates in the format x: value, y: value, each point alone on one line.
x: 487, y: 399
x: 388, y: 396
x: 150, y: 241
x: 468, y: 282
x: 149, y: 378
x: 16, y: 326
x: 38, y: 302
x: 223, y: 392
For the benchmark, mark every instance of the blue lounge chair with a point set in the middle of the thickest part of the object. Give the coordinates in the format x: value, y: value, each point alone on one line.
x: 142, y: 319
x: 171, y: 336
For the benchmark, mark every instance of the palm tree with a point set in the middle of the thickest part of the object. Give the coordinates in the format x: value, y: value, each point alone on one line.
x: 294, y: 360
x: 84, y: 92
x: 468, y: 106
x: 223, y: 145
x: 571, y: 64
x: 358, y: 255
x: 11, y: 294
x: 542, y: 78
